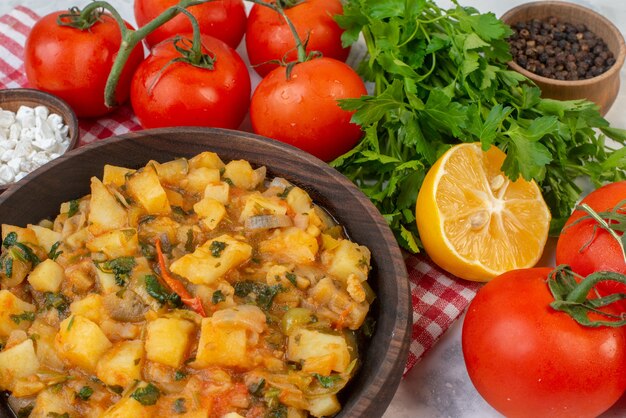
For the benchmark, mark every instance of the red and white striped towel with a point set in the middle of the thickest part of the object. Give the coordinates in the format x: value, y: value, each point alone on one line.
x: 438, y: 298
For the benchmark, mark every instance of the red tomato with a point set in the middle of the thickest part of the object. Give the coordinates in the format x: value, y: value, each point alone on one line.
x: 268, y: 37
x: 222, y: 19
x: 528, y: 360
x: 179, y: 94
x: 303, y: 110
x: 588, y: 249
x: 75, y: 64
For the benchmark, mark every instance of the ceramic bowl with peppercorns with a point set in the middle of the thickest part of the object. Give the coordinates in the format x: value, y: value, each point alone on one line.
x: 569, y: 51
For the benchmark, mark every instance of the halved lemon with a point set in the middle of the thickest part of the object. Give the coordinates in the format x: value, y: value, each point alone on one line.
x: 473, y: 221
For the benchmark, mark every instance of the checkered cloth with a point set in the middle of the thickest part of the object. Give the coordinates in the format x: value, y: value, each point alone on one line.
x: 438, y: 298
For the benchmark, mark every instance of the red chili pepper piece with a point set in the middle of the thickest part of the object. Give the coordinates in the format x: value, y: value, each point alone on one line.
x: 192, y: 302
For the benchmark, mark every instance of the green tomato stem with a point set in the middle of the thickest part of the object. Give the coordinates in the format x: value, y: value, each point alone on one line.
x: 302, y: 55
x: 91, y: 7
x: 570, y: 296
x: 130, y: 39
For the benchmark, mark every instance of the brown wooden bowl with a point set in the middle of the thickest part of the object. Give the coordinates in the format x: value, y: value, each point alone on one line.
x: 12, y: 99
x: 39, y: 195
x: 602, y: 89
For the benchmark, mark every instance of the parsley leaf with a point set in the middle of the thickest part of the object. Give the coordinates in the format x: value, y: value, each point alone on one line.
x: 216, y: 248
x: 84, y: 393
x: 158, y: 292
x: 120, y: 267
x: 147, y: 395
x: 217, y: 297
x: 327, y: 381
x: 9, y: 240
x: 262, y: 294
x: 53, y: 254
x: 57, y: 301
x: 256, y: 388
x: 291, y: 277
x: 24, y: 316
x: 73, y: 208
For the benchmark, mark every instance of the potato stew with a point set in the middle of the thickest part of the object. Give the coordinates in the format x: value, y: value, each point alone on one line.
x: 187, y: 288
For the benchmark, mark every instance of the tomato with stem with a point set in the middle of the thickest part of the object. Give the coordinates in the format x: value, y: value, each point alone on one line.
x: 269, y: 38
x: 298, y: 102
x: 185, y: 83
x: 534, y: 346
x: 222, y: 19
x: 70, y: 55
x: 302, y: 109
x: 593, y: 237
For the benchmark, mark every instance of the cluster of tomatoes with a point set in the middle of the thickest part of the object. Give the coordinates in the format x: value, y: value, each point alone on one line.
x: 530, y: 360
x: 296, y: 104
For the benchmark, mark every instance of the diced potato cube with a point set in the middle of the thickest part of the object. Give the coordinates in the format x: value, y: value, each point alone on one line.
x: 78, y: 238
x: 257, y: 204
x: 241, y: 173
x: 328, y: 242
x: 115, y: 175
x: 347, y: 258
x: 121, y: 365
x: 172, y: 172
x: 212, y: 260
x: 168, y: 340
x: 154, y: 229
x: 320, y: 352
x: 175, y: 198
x: 45, y: 236
x: 218, y: 192
x: 81, y: 342
x: 211, y: 211
x: 17, y: 362
x: 206, y: 159
x: 50, y: 403
x: 126, y: 408
x: 326, y: 293
x: 324, y: 406
x: 46, y: 353
x: 188, y: 234
x: 199, y: 178
x: 24, y: 235
x: 90, y: 307
x: 107, y: 282
x: 291, y: 245
x: 144, y: 186
x: 105, y: 212
x: 221, y: 346
x: 27, y: 386
x: 299, y: 201
x: 114, y: 244
x: 296, y: 413
x: 10, y: 307
x: 232, y: 415
x: 19, y: 268
x: 46, y: 276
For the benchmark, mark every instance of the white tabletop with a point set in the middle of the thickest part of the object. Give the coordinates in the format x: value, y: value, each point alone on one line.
x: 438, y: 386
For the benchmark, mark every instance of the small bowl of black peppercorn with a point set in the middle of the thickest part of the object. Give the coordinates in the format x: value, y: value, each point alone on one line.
x: 570, y: 52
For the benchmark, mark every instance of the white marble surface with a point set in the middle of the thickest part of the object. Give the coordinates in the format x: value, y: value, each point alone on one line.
x: 438, y: 386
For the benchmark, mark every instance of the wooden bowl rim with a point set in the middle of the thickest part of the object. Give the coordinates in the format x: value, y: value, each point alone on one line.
x: 378, y: 390
x: 46, y: 99
x: 611, y: 72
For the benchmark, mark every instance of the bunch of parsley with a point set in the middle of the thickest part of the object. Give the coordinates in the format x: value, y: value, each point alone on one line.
x: 440, y: 78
